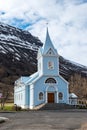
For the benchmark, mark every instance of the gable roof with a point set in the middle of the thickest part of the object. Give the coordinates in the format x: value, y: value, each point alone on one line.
x: 22, y: 80
x: 72, y: 95
x: 27, y: 79
x: 32, y: 77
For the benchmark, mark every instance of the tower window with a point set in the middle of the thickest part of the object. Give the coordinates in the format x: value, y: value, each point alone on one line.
x: 50, y: 80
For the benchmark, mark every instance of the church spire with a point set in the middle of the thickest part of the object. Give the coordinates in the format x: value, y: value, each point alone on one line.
x: 48, y: 43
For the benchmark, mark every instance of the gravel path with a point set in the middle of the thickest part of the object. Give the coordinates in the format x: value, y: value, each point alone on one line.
x: 45, y: 120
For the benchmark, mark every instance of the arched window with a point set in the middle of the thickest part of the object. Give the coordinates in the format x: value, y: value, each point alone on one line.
x: 60, y: 96
x: 40, y: 96
x: 50, y: 80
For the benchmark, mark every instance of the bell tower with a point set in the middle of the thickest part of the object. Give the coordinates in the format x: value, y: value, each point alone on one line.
x: 48, y: 59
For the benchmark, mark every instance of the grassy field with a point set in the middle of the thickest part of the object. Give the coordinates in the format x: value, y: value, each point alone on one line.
x: 8, y: 107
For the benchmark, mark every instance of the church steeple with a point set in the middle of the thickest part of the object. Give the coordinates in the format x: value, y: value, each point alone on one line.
x: 48, y: 44
x: 48, y: 59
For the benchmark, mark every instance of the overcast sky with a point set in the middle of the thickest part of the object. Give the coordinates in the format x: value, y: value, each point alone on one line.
x: 67, y: 23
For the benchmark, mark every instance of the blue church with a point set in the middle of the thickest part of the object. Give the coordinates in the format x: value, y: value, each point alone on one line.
x: 44, y: 86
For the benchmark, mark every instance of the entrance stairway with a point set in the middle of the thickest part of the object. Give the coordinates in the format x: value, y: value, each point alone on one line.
x: 56, y: 106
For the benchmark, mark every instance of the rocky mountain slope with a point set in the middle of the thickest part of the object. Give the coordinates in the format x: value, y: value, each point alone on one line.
x: 18, y: 52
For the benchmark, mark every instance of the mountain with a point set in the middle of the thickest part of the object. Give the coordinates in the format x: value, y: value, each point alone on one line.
x: 18, y: 52
x: 68, y: 68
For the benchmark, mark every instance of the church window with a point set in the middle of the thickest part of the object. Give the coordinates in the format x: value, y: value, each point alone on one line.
x: 50, y: 80
x: 50, y: 65
x: 60, y: 96
x: 40, y: 96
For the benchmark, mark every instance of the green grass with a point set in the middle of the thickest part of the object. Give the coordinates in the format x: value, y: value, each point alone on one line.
x: 8, y: 107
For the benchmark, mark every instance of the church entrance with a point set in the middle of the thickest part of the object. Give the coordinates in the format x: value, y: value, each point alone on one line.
x: 51, y: 97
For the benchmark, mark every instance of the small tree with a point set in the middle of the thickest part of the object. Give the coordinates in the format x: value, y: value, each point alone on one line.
x: 3, y: 100
x: 5, y: 90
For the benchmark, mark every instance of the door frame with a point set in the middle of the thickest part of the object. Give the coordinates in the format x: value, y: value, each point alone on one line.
x: 55, y: 91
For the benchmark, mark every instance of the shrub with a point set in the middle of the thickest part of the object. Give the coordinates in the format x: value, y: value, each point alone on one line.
x: 16, y: 108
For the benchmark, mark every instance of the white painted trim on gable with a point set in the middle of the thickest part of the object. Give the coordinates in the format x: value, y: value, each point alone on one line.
x: 47, y: 76
x: 52, y: 50
x: 63, y: 79
x: 39, y: 57
x: 57, y: 76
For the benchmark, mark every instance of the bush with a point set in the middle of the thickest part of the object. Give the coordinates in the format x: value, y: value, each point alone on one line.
x: 16, y: 108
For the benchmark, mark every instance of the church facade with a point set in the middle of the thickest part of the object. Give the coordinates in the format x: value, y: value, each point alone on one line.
x: 44, y: 86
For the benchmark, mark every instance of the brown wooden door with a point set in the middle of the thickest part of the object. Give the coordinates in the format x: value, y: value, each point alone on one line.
x: 50, y: 97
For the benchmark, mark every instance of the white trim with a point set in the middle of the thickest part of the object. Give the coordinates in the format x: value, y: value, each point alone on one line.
x: 55, y: 93
x: 56, y: 89
x: 50, y: 50
x: 53, y: 49
x: 67, y: 94
x: 51, y: 83
x: 63, y: 79
x: 39, y: 52
x: 49, y: 56
x: 42, y: 65
x: 31, y: 107
x: 32, y: 91
x: 46, y: 97
x: 35, y: 80
x: 57, y: 97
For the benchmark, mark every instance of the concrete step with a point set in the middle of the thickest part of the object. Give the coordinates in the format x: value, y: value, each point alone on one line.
x: 56, y: 106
